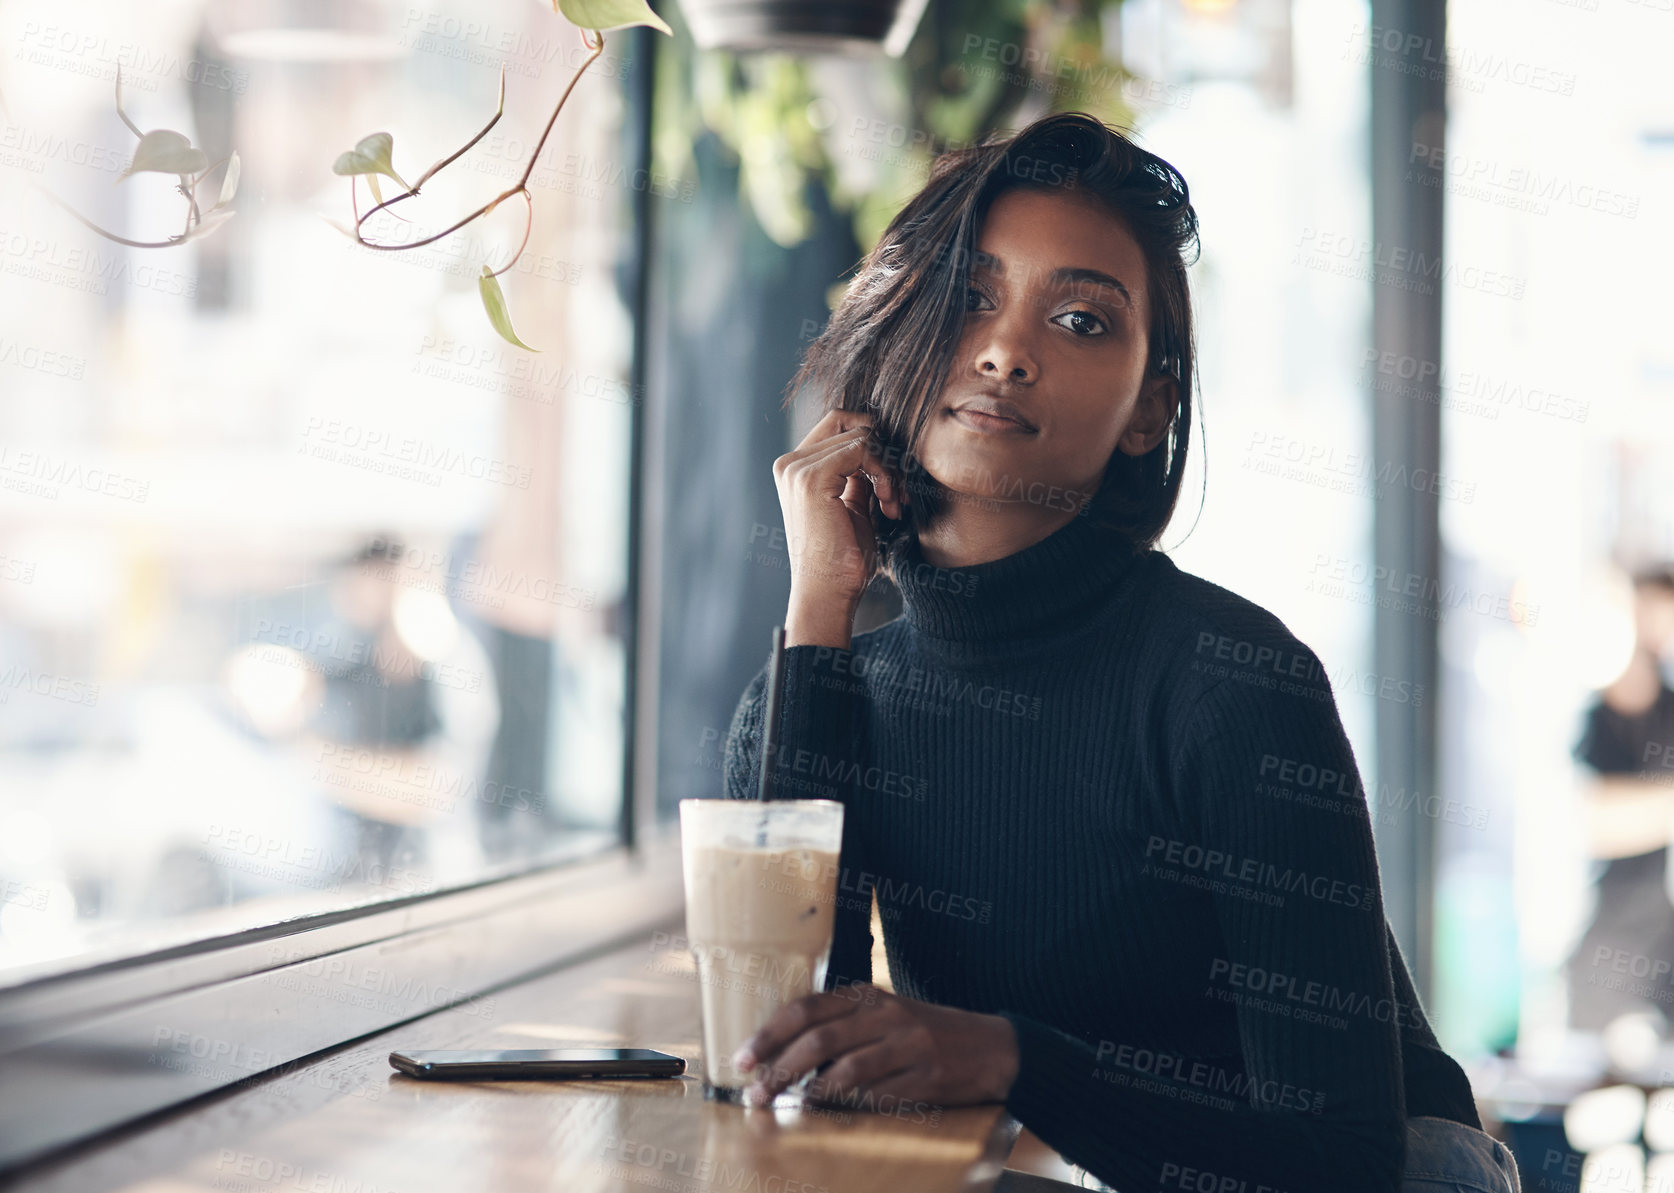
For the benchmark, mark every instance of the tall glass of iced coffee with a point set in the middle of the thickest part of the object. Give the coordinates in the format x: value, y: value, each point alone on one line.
x: 761, y: 895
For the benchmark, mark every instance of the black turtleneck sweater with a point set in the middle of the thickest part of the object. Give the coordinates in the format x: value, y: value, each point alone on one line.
x: 1114, y: 803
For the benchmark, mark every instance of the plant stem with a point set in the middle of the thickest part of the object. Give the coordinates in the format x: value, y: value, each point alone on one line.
x: 528, y: 224
x: 432, y: 171
x: 456, y: 154
x: 210, y: 170
x: 522, y: 187
x: 193, y: 215
x: 119, y: 111
x: 533, y: 157
x: 418, y: 244
x: 82, y: 219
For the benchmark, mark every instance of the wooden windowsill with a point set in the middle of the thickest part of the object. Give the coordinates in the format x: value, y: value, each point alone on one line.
x: 345, y: 1122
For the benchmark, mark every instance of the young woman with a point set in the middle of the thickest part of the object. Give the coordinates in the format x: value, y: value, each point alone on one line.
x: 1116, y: 832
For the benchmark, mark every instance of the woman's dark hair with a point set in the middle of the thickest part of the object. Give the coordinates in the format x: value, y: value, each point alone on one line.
x: 889, y: 346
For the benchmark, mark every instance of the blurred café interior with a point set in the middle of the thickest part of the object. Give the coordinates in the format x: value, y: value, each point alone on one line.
x: 324, y: 603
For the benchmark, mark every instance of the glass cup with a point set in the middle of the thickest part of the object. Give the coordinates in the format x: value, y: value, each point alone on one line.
x: 761, y: 898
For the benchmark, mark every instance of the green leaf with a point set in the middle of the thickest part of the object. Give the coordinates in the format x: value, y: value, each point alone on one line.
x: 370, y: 156
x: 377, y: 194
x: 164, y: 151
x: 494, y: 302
x: 611, y: 14
x: 229, y: 182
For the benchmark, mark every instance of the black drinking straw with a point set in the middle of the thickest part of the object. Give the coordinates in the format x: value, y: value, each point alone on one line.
x: 770, y: 729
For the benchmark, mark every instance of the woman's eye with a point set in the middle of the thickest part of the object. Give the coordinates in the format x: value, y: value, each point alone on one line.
x: 1090, y: 325
x: 970, y: 293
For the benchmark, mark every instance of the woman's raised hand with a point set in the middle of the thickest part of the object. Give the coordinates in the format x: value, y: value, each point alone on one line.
x: 832, y: 486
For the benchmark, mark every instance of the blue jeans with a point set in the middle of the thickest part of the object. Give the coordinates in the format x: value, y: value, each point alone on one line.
x: 1448, y: 1157
x: 1442, y: 1157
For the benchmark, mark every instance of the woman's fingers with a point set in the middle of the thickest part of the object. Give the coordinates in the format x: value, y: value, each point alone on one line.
x: 865, y: 1067
x: 790, y: 1021
x: 872, y: 1041
x: 878, y: 472
x: 840, y: 455
x: 825, y: 1041
x: 833, y: 423
x: 831, y: 489
x: 850, y: 450
x: 840, y: 471
x: 908, y: 1091
x: 858, y: 494
x: 822, y: 469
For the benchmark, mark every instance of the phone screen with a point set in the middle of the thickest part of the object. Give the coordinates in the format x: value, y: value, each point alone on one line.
x: 540, y: 1063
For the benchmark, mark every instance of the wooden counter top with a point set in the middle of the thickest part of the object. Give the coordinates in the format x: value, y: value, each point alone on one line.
x: 348, y: 1123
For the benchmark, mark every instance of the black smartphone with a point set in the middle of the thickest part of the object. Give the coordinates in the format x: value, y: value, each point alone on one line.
x: 537, y: 1064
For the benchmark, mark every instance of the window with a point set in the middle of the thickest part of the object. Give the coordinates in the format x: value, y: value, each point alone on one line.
x: 1556, y: 173
x: 313, y: 589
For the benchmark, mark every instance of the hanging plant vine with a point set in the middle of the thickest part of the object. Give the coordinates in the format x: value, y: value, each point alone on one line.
x: 164, y: 151
x: 372, y: 156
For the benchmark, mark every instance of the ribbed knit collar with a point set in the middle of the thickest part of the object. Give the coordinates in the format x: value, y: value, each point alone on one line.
x: 1049, y: 586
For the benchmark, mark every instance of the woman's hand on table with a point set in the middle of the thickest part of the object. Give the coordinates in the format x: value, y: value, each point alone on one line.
x: 880, y: 1042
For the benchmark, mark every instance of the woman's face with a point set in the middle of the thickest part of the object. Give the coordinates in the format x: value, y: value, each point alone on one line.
x: 1056, y: 335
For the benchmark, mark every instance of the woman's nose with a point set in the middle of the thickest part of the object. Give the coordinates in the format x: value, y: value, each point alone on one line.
x: 1007, y: 356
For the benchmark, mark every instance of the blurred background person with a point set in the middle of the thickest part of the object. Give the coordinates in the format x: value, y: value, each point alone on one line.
x: 1628, y: 742
x: 379, y: 699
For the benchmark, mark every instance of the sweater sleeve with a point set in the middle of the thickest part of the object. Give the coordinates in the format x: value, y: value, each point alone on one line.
x: 821, y: 731
x: 1295, y: 893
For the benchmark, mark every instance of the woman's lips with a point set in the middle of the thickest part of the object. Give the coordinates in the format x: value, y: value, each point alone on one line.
x: 989, y: 424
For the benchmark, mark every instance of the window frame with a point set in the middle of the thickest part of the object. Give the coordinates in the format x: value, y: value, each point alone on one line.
x: 89, y: 1049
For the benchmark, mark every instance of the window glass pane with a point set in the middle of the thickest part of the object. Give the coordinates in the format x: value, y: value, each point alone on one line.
x: 1557, y: 387
x: 311, y: 585
x: 1269, y: 127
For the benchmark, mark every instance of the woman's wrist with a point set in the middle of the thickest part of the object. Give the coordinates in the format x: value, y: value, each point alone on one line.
x: 816, y: 623
x: 1007, y: 1059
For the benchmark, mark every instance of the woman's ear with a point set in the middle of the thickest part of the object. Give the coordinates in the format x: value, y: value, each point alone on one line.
x: 1153, y: 414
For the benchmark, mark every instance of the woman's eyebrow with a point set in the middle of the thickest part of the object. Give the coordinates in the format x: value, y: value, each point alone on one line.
x: 1064, y: 273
